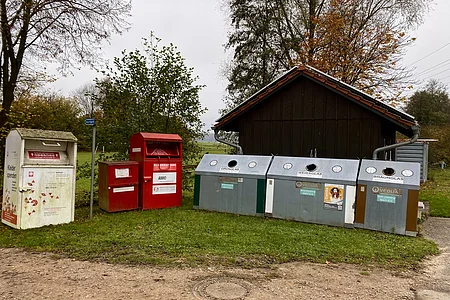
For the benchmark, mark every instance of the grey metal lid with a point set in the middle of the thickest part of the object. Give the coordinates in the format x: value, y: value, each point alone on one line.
x: 38, y: 134
x: 314, y: 169
x: 234, y: 165
x: 390, y: 172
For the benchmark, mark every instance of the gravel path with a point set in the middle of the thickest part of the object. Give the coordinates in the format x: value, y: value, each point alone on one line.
x: 25, y: 275
x: 435, y: 282
x: 36, y: 276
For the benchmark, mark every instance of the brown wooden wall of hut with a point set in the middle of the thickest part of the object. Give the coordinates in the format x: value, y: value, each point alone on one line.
x: 303, y: 116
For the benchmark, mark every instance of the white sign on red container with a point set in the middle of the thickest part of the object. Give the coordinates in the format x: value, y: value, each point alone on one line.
x: 164, y: 189
x: 164, y: 177
x: 122, y: 173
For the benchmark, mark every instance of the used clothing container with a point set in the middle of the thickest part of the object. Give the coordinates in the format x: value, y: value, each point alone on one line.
x: 160, y: 168
x: 39, y: 178
x: 118, y: 185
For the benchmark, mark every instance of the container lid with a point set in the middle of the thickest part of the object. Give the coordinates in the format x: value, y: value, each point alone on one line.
x: 390, y: 172
x: 151, y: 136
x: 311, y: 169
x: 248, y: 166
x: 38, y: 134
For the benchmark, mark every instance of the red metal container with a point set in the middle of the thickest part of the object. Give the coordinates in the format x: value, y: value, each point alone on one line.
x: 160, y: 168
x: 118, y: 187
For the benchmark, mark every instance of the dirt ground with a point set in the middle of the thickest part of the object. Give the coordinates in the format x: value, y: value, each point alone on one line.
x: 25, y: 275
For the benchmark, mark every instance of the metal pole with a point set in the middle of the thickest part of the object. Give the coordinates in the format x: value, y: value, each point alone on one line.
x: 92, y: 172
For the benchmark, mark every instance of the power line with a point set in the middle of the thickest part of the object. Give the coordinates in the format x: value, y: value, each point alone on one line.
x: 445, y: 77
x: 437, y: 66
x: 429, y: 54
x: 437, y: 74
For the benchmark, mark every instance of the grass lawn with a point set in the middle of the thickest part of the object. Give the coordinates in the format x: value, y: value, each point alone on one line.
x: 437, y: 192
x: 183, y: 236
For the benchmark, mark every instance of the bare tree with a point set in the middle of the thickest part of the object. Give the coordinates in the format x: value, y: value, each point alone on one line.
x: 64, y: 31
x: 85, y: 97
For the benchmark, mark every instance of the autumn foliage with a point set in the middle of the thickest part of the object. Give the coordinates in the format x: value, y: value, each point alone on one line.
x: 349, y: 45
x: 360, y: 42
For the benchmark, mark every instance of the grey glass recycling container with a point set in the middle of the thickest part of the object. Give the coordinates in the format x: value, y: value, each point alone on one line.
x: 231, y: 183
x: 313, y: 190
x: 387, y: 196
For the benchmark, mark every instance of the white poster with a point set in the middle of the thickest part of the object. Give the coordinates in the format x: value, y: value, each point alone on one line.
x: 48, y: 197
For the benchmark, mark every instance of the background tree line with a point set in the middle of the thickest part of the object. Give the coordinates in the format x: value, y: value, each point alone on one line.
x: 431, y: 107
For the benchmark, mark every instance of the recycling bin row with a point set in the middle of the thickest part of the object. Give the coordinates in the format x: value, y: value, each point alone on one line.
x: 377, y: 195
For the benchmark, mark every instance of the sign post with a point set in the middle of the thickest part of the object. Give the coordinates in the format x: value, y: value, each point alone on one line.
x: 91, y: 122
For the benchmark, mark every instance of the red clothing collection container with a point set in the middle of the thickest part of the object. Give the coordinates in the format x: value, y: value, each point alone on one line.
x: 118, y: 188
x: 160, y: 168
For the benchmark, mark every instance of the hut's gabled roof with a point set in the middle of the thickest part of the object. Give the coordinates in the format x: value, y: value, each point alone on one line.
x: 403, y: 121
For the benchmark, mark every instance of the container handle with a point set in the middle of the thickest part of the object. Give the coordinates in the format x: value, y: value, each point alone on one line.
x: 159, y: 162
x: 56, y: 144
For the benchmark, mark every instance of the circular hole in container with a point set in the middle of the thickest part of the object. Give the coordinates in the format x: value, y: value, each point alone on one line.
x: 388, y: 171
x: 287, y: 166
x: 232, y: 163
x: 311, y: 167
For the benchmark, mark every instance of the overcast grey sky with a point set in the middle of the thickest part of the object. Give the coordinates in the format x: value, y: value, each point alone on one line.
x: 199, y: 29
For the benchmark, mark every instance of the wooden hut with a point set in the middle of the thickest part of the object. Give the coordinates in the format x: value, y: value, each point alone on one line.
x: 306, y: 111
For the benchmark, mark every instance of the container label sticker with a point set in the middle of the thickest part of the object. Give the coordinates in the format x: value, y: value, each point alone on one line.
x: 386, y: 198
x: 229, y: 170
x: 333, y: 196
x: 164, y: 167
x: 309, y: 174
x: 390, y: 179
x: 227, y: 186
x: 123, y: 189
x: 136, y: 150
x: 164, y: 177
x: 240, y: 179
x: 229, y: 179
x: 309, y: 185
x: 122, y: 173
x: 387, y: 191
x: 164, y: 189
x: 308, y: 192
x: 43, y: 155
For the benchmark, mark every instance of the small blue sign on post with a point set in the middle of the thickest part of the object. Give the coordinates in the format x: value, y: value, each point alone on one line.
x: 90, y: 122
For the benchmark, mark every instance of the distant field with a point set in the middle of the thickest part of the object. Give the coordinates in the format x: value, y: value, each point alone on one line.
x: 214, y: 148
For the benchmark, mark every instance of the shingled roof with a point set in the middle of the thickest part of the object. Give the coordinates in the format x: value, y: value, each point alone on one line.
x: 399, y: 118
